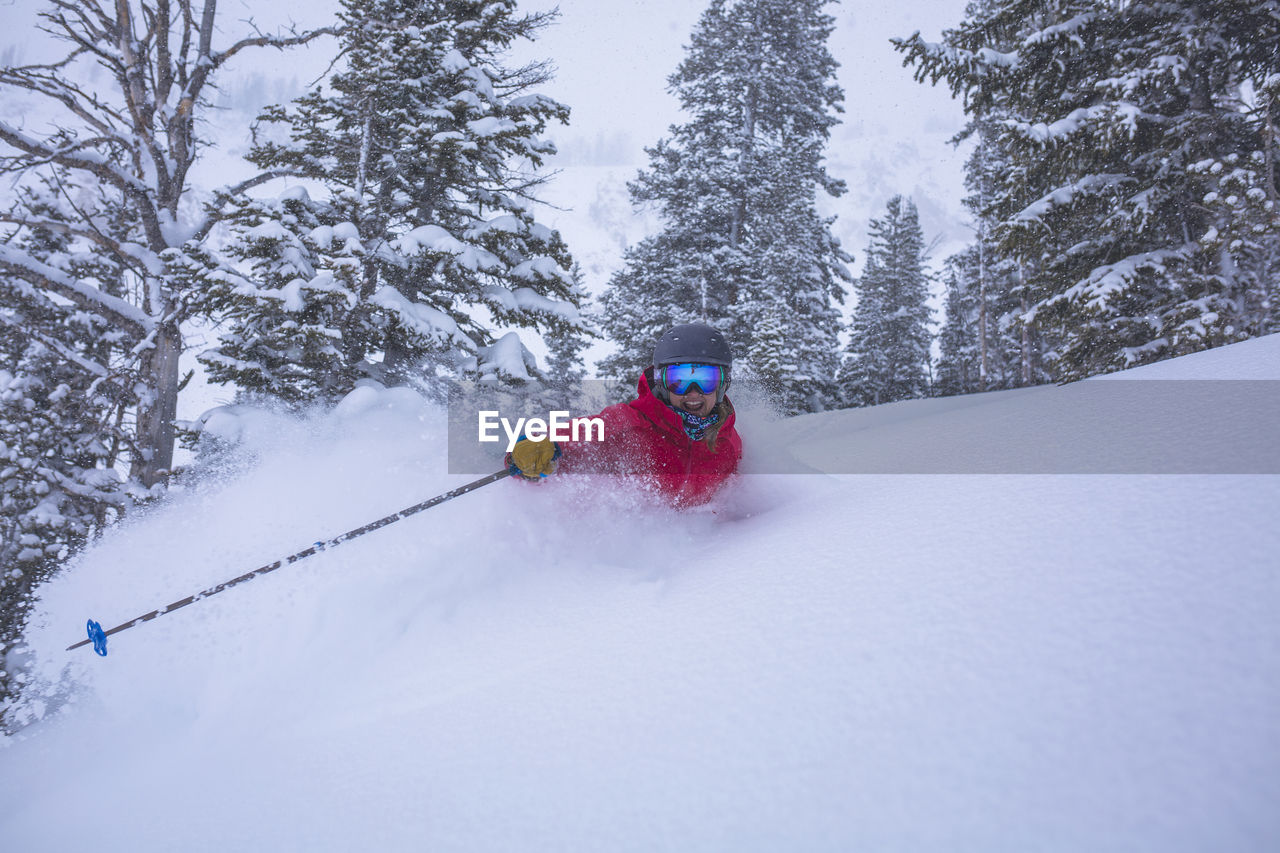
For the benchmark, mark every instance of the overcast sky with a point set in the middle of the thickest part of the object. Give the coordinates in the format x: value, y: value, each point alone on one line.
x: 614, y: 58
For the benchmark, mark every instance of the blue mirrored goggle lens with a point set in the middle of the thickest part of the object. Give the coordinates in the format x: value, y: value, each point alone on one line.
x: 679, y: 378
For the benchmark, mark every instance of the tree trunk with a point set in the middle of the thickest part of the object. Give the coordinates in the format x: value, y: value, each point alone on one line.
x: 1026, y: 330
x: 983, y: 371
x: 982, y: 269
x: 157, y: 412
x: 1268, y: 149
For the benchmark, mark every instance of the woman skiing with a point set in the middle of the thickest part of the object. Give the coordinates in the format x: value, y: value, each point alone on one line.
x: 678, y: 434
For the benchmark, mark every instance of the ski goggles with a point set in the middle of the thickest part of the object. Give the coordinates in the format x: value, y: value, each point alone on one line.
x: 680, y: 378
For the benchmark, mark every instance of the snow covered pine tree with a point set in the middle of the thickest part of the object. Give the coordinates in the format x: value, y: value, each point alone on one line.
x: 58, y: 440
x: 1011, y: 346
x: 736, y: 186
x: 888, y: 356
x: 1134, y: 149
x: 567, y: 341
x: 959, y: 368
x: 422, y: 238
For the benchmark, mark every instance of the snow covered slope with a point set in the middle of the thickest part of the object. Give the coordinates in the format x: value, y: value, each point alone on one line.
x: 818, y: 662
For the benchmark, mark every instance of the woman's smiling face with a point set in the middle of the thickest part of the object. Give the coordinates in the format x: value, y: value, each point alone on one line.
x: 694, y: 402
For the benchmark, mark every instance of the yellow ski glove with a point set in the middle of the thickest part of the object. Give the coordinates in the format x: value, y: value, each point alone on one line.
x: 533, y: 459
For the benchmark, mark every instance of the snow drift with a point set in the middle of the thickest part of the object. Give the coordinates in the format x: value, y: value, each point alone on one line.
x: 814, y: 662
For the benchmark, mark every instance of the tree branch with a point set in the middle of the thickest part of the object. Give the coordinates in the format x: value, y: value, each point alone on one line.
x: 19, y: 322
x: 82, y: 295
x: 76, y: 101
x: 93, y: 235
x: 89, y: 37
x: 214, y: 208
x: 66, y: 157
x: 272, y: 41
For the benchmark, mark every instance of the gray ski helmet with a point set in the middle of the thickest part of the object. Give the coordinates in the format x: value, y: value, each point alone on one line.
x: 692, y: 342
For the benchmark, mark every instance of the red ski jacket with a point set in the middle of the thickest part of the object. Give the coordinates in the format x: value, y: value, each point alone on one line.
x: 646, y: 438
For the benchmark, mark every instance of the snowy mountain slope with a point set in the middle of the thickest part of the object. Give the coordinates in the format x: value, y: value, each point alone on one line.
x: 817, y: 662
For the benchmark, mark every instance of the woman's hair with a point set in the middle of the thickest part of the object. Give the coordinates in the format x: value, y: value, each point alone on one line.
x: 724, y: 408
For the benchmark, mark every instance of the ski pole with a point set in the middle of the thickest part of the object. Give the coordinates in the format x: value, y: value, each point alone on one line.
x: 98, y: 637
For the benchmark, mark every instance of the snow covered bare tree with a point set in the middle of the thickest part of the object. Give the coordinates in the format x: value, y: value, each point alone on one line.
x: 413, y: 235
x: 115, y: 167
x: 888, y: 356
x: 737, y: 186
x: 97, y: 146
